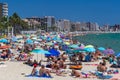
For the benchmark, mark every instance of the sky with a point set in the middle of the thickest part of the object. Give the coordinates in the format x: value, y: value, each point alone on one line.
x: 100, y: 11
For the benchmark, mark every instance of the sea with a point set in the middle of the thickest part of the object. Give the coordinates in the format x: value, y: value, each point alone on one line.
x: 101, y: 40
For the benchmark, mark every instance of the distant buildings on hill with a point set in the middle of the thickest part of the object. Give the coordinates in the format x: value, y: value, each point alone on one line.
x: 49, y: 23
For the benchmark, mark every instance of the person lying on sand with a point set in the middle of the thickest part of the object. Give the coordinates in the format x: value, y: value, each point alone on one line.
x: 76, y: 74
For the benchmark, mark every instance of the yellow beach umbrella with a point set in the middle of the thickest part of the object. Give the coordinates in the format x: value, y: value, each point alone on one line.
x: 67, y: 43
x: 89, y: 46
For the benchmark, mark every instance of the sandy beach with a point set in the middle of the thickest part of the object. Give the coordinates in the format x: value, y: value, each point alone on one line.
x: 15, y: 70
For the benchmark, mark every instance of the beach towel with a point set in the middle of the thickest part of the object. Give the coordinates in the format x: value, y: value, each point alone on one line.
x: 102, y: 76
x: 36, y: 76
x: 105, y: 77
x: 92, y: 64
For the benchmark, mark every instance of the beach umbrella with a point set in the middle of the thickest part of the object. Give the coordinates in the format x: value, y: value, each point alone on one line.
x: 4, y: 47
x: 109, y: 51
x: 90, y: 49
x: 77, y: 51
x: 40, y: 51
x: 74, y: 46
x: 101, y: 48
x: 4, y: 40
x: 68, y: 51
x: 49, y: 43
x: 14, y: 39
x: 48, y: 39
x: 53, y: 52
x: 60, y: 41
x: 29, y: 41
x: 67, y: 43
x: 82, y: 46
x: 89, y: 46
x: 34, y: 38
x: 28, y: 35
x: 36, y: 42
x: 118, y: 54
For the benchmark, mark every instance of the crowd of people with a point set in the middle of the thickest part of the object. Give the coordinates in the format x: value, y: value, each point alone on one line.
x: 59, y: 63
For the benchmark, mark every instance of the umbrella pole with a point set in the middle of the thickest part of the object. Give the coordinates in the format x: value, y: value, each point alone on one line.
x: 41, y: 57
x: 37, y: 57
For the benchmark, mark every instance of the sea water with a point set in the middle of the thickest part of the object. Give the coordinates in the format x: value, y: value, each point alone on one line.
x: 101, y: 40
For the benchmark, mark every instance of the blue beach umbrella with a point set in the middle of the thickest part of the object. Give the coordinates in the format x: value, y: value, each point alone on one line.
x: 40, y: 51
x: 48, y: 39
x: 75, y: 46
x: 4, y: 40
x: 53, y: 52
x: 14, y: 39
x: 90, y: 49
x: 29, y: 41
x: 101, y: 48
x: 60, y: 41
x: 118, y: 54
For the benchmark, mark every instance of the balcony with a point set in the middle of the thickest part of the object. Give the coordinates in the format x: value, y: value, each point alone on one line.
x: 5, y: 5
x: 5, y: 11
x: 4, y: 8
x: 5, y: 14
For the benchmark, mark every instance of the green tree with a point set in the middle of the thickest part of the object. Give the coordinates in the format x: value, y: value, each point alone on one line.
x: 17, y: 23
x: 4, y: 23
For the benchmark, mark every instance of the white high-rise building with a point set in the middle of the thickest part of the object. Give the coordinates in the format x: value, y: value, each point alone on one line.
x: 64, y: 25
x: 3, y: 9
x: 50, y: 21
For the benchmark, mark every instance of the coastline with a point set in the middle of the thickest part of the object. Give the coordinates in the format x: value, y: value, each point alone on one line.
x: 81, y: 33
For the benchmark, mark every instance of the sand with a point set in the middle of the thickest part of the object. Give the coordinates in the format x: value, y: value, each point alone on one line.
x: 15, y: 70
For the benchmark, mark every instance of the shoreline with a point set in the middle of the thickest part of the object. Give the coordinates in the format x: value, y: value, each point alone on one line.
x: 81, y: 33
